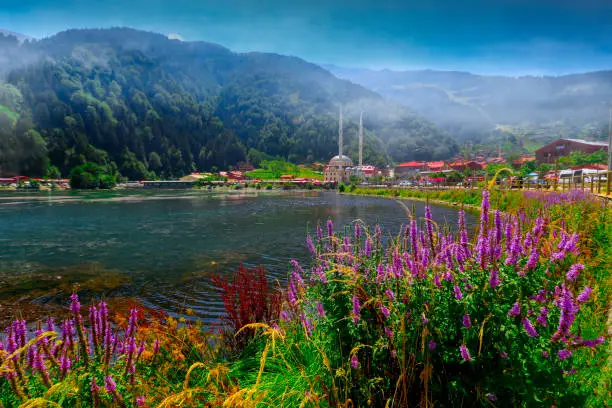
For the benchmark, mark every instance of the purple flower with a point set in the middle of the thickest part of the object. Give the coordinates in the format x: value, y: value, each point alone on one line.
x: 429, y: 224
x: 330, y: 228
x: 75, y: 306
x: 388, y: 332
x: 515, y: 311
x: 390, y: 294
x: 432, y: 345
x: 545, y: 354
x: 310, y: 246
x: 541, y: 320
x: 584, y: 295
x: 354, y: 362
x: 284, y: 316
x: 385, y: 312
x: 320, y: 309
x: 65, y: 364
x: 574, y: 271
x: 319, y: 232
x: 564, y: 354
x: 467, y: 322
x: 368, y: 247
x: 494, y: 278
x: 491, y: 397
x: 465, y: 353
x: 356, y: 310
x: 110, y: 385
x: 529, y: 329
x: 458, y: 294
x: 503, y: 354
x: 568, y: 314
x: 424, y: 319
x: 93, y: 386
x: 533, y: 259
x: 140, y: 401
x: 593, y: 343
x: 357, y: 231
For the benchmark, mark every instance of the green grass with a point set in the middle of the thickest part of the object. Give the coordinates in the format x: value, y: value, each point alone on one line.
x: 271, y: 175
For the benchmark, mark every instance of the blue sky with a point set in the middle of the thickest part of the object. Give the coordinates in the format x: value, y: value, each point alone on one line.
x: 485, y: 36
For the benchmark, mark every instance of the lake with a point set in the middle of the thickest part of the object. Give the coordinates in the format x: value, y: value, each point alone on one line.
x: 161, y: 248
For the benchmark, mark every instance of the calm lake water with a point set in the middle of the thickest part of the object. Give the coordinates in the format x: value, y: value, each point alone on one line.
x: 162, y: 248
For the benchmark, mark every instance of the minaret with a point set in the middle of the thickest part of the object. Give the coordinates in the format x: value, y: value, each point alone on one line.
x: 361, y: 139
x: 340, y: 135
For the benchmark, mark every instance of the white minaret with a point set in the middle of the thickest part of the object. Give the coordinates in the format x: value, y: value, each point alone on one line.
x: 340, y: 136
x: 361, y: 139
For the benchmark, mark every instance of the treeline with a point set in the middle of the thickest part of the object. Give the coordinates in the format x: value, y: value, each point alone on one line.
x: 143, y: 106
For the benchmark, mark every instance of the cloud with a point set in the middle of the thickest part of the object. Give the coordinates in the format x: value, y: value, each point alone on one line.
x: 175, y: 36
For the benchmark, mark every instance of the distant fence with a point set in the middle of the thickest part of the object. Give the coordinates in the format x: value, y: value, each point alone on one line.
x: 600, y: 183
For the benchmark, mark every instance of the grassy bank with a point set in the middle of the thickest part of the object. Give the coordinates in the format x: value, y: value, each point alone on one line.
x: 515, y: 316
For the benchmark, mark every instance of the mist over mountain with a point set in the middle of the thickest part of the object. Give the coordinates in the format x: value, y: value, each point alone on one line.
x: 490, y: 109
x: 147, y: 105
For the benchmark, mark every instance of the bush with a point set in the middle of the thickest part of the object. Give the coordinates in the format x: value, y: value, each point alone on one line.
x: 91, y: 176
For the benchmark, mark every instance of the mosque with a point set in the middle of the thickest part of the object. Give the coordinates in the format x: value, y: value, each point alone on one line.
x: 340, y: 167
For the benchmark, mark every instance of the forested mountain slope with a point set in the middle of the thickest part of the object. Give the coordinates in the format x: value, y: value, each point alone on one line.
x: 150, y: 106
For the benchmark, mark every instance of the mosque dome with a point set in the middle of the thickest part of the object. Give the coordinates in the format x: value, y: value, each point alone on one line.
x: 343, y: 161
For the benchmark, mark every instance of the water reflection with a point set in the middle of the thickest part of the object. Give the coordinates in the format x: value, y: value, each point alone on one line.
x: 168, y: 245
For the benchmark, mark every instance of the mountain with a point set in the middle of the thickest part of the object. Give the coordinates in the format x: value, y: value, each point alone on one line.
x: 146, y: 105
x: 20, y: 37
x: 490, y: 109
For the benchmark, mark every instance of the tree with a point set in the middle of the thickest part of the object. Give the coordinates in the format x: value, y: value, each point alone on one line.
x: 91, y: 176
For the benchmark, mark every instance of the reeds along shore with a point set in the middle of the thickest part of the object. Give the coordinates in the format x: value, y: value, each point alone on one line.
x: 515, y: 315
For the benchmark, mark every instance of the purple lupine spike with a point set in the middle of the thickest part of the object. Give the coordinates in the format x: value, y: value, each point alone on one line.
x: 50, y: 324
x: 467, y: 322
x: 307, y: 324
x: 463, y: 236
x: 132, y: 322
x: 529, y: 329
x: 432, y: 345
x: 297, y: 272
x: 574, y: 272
x: 357, y: 231
x: 515, y: 311
x: 545, y: 354
x: 310, y: 246
x: 385, y: 312
x: 110, y: 384
x: 346, y: 244
x: 425, y: 258
x: 465, y: 353
x: 494, y: 280
x: 568, y: 314
x: 356, y: 310
x: 319, y: 232
x: 414, y: 240
x: 541, y: 320
x: 20, y: 332
x: 140, y: 401
x: 65, y: 364
x: 368, y: 247
x: 448, y: 276
x: 594, y: 343
x: 93, y: 386
x: 320, y: 309
x: 484, y: 211
x: 330, y: 228
x: 75, y: 305
x: 437, y: 280
x: 498, y: 227
x: 457, y: 291
x: 292, y: 293
x: 398, y: 265
x: 354, y: 362
x: 571, y: 244
x: 388, y: 332
x: 429, y: 224
x: 584, y: 295
x: 564, y: 354
x: 390, y: 294
x: 380, y: 273
x: 378, y: 232
x: 320, y: 273
x: 532, y: 261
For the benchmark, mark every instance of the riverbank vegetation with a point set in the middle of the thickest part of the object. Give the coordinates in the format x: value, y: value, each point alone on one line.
x: 513, y: 316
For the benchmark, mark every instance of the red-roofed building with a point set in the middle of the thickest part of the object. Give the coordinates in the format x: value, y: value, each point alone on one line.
x: 409, y: 168
x: 461, y: 165
x: 563, y: 147
x: 436, y: 166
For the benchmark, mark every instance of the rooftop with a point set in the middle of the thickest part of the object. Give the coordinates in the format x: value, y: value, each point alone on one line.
x: 597, y: 143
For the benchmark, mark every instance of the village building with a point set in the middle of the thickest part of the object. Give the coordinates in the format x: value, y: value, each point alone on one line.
x: 563, y: 147
x: 408, y: 169
x: 462, y: 165
x: 338, y: 169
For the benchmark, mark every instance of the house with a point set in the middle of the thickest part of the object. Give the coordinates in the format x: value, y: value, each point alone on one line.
x: 435, y: 166
x: 563, y: 147
x: 409, y: 168
x: 461, y: 165
x: 286, y: 177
